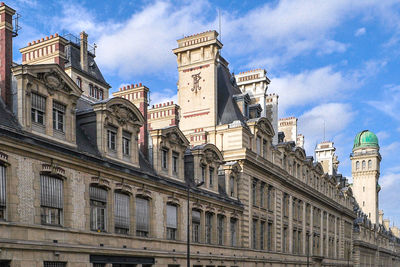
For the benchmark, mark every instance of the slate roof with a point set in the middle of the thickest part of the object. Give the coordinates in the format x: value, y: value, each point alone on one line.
x: 228, y: 110
x: 73, y: 55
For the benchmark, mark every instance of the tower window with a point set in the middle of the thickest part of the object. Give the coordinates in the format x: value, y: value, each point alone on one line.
x: 363, y: 164
x: 363, y: 203
x: 363, y: 188
x: 357, y: 165
x: 369, y: 164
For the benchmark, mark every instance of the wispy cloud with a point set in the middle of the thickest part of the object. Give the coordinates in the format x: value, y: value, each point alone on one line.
x: 360, y: 31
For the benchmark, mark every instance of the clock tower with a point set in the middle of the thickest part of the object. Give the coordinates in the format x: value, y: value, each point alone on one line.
x: 197, y: 58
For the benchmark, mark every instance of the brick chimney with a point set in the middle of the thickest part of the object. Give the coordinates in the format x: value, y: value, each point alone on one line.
x: 84, y: 51
x: 6, y: 35
x: 138, y: 95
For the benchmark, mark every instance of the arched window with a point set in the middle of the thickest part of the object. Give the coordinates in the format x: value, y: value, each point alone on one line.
x: 363, y: 165
x: 357, y: 165
x: 369, y: 164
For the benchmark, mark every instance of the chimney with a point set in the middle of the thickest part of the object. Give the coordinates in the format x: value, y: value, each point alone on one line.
x: 381, y: 217
x: 386, y: 223
x: 84, y: 51
x: 6, y: 35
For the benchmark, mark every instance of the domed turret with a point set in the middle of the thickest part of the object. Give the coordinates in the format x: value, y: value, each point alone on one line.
x: 365, y: 139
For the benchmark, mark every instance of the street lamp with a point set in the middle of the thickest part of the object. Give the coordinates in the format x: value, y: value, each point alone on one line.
x: 197, y: 184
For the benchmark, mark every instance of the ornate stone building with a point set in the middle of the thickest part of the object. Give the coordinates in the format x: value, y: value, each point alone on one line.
x: 88, y: 180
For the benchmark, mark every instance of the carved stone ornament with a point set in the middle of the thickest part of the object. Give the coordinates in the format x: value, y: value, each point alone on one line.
x: 122, y: 114
x: 196, y: 79
x: 210, y: 157
x: 53, y: 82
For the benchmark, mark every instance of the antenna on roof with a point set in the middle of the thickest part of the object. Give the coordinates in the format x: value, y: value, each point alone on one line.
x: 219, y: 25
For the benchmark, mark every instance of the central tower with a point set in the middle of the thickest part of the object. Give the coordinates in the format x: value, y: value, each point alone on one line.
x: 197, y: 57
x: 365, y: 166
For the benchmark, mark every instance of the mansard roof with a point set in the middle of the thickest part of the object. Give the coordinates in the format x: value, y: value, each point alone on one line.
x: 228, y: 110
x: 72, y: 52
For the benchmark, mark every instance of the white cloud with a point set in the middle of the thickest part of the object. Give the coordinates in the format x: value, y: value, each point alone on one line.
x: 388, y: 150
x: 360, y: 31
x: 388, y: 180
x: 390, y: 103
x: 163, y: 96
x: 310, y: 86
x: 336, y: 116
x: 382, y: 135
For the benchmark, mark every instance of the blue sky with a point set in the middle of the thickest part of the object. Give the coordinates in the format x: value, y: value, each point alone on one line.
x: 334, y: 61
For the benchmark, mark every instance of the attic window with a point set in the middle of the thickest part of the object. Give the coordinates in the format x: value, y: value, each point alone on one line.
x: 58, y: 116
x: 38, y: 108
x: 79, y: 82
x: 111, y: 139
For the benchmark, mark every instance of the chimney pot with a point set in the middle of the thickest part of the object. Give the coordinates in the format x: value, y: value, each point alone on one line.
x: 140, y: 84
x: 56, y: 35
x: 172, y: 102
x: 136, y: 85
x: 124, y: 88
x: 128, y: 86
x: 84, y: 51
x: 29, y: 44
x: 2, y: 3
x: 42, y: 39
x: 51, y: 36
x: 132, y: 85
x: 38, y: 41
x: 47, y: 37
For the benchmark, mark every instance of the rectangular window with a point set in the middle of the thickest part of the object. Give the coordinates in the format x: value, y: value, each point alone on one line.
x: 265, y: 148
x: 233, y: 232
x: 258, y: 145
x: 79, y: 82
x: 111, y: 139
x: 232, y: 185
x: 58, y: 116
x: 220, y: 230
x: 211, y: 171
x: 262, y: 235
x: 175, y: 157
x: 254, y: 192
x: 121, y: 213
x: 98, y: 208
x: 269, y: 236
x: 51, y: 200
x: 195, y: 226
x: 38, y: 108
x: 164, y: 158
x: 284, y: 239
x: 54, y: 264
x: 262, y: 194
x: 269, y: 197
x: 91, y: 90
x: 126, y: 144
x: 142, y: 217
x: 209, y: 227
x: 101, y: 94
x: 203, y: 173
x: 254, y: 234
x: 172, y: 221
x: 3, y: 196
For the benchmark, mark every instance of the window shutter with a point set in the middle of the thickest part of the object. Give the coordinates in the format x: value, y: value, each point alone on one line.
x: 196, y: 216
x: 2, y: 186
x: 51, y: 192
x: 121, y: 210
x: 172, y: 216
x: 98, y: 194
x: 142, y: 214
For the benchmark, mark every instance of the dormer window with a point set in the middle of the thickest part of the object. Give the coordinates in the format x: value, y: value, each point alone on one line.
x: 164, y: 158
x: 79, y: 82
x: 126, y: 144
x: 58, y: 116
x: 101, y: 94
x: 175, y: 157
x: 38, y: 108
x: 91, y: 90
x: 111, y: 139
x: 211, y: 180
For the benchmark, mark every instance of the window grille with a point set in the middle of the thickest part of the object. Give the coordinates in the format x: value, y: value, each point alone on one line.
x: 51, y: 199
x: 38, y: 106
x: 142, y: 217
x: 195, y: 226
x: 172, y: 221
x: 3, y: 196
x: 58, y: 116
x: 121, y: 213
x: 54, y: 264
x: 98, y: 208
x: 209, y: 217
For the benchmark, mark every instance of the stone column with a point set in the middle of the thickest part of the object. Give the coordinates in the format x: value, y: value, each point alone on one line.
x: 290, y: 228
x: 321, y: 242
x: 304, y: 226
x: 311, y: 230
x: 327, y: 236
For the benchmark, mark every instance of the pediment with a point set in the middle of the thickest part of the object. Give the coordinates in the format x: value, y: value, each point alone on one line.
x: 300, y: 153
x: 53, y: 77
x: 318, y: 168
x: 210, y: 153
x: 174, y: 135
x: 265, y: 126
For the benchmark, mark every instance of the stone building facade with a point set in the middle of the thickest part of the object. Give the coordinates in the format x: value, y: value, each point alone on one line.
x: 88, y: 180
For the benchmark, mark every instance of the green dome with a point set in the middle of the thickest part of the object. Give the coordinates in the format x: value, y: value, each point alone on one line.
x: 366, y: 139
